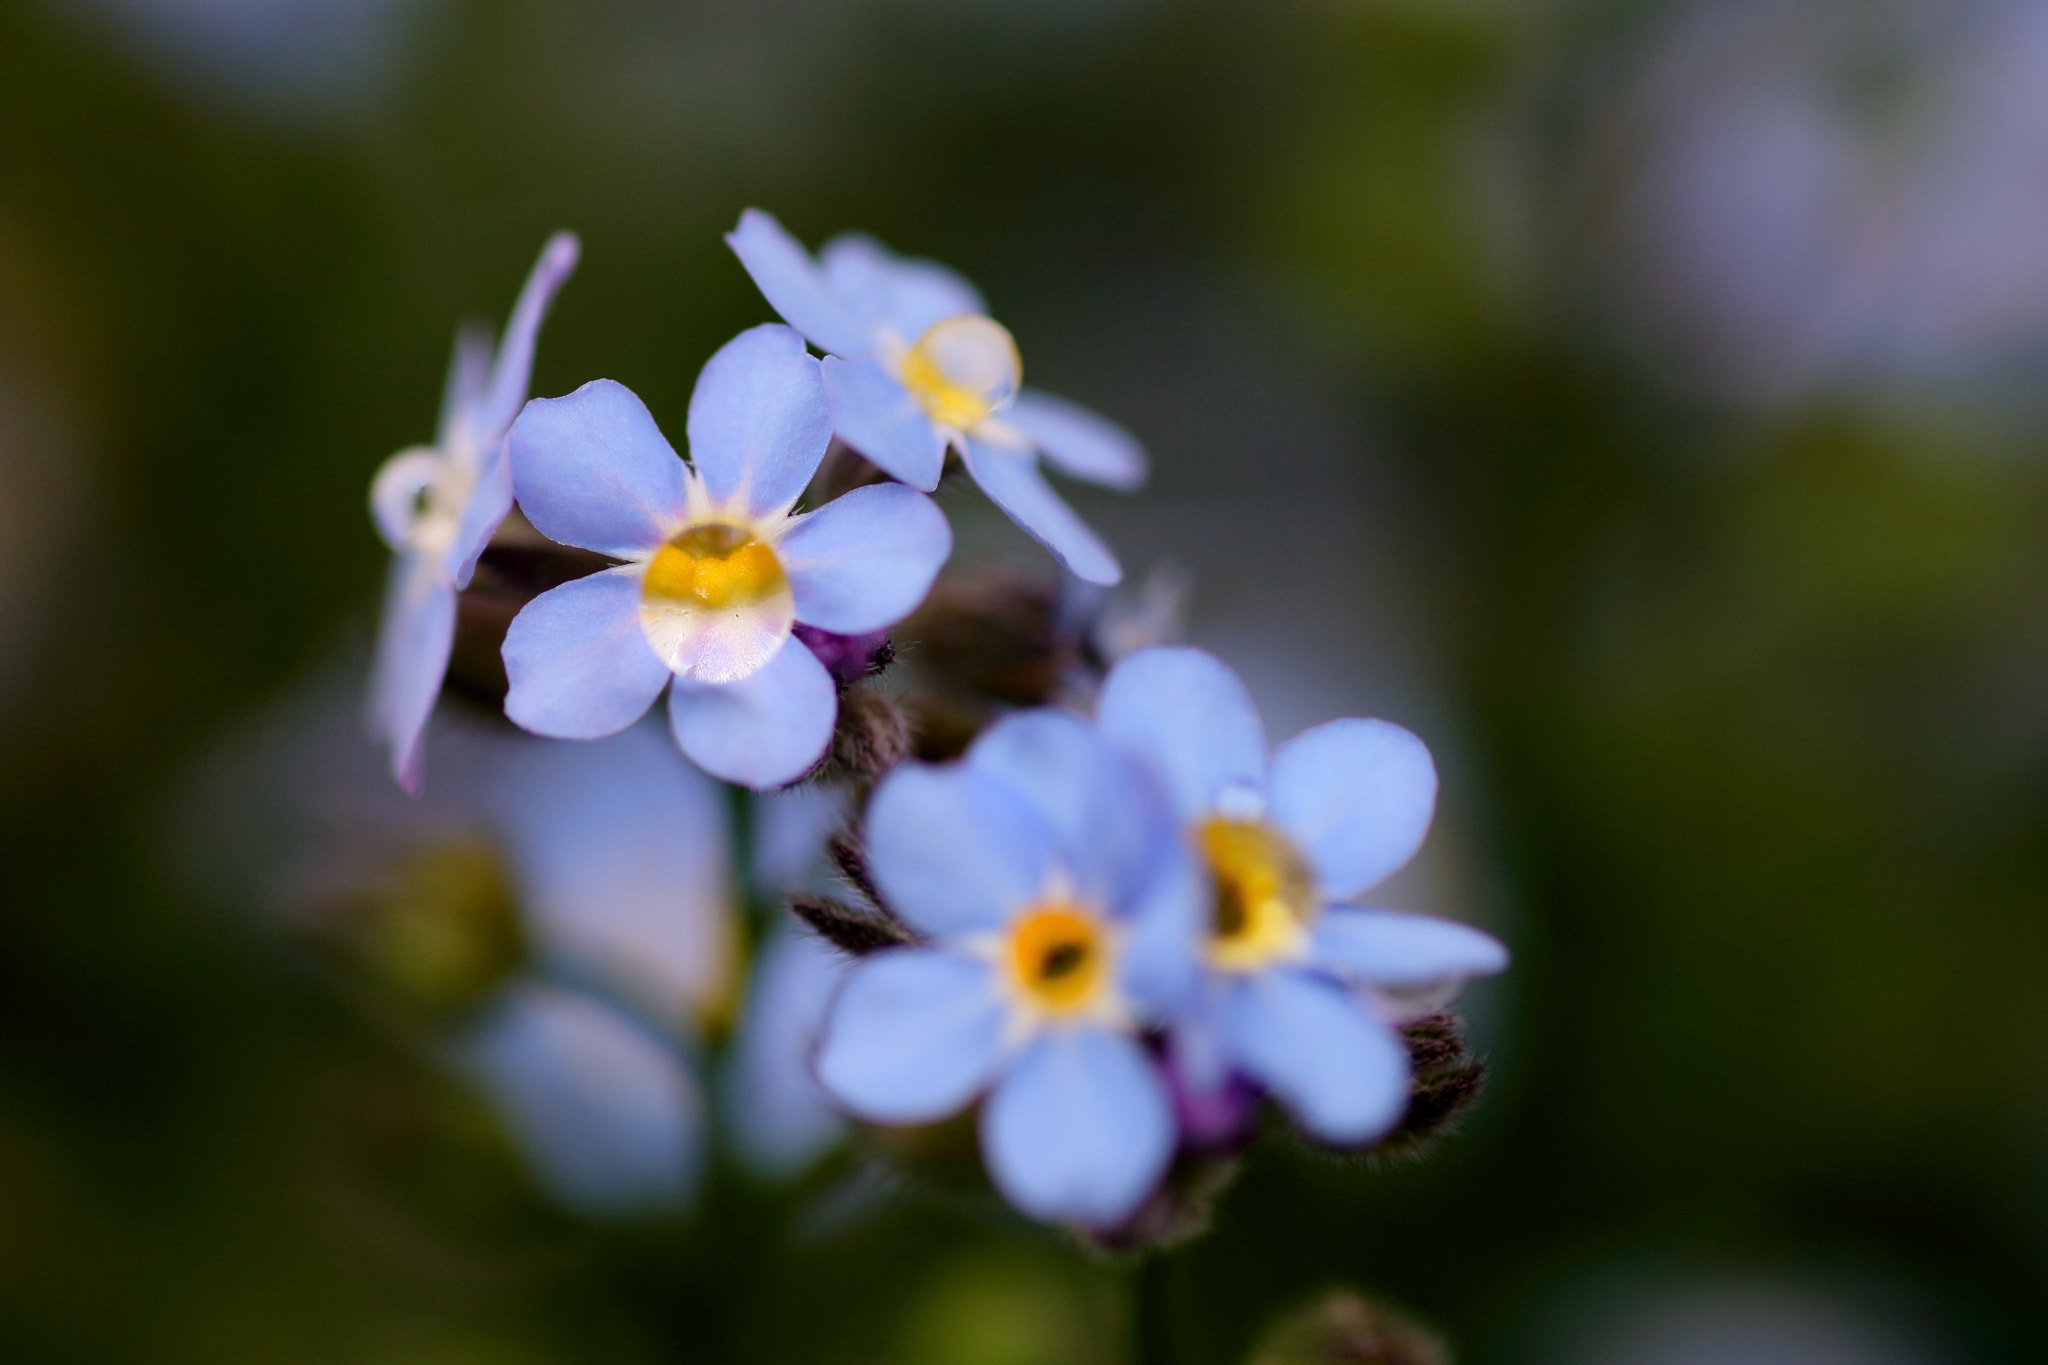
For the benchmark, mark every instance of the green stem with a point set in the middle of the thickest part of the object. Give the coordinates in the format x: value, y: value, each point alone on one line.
x: 1152, y: 1312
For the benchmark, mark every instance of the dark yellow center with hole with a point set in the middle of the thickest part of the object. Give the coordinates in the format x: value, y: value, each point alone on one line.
x: 1057, y: 957
x: 1265, y: 895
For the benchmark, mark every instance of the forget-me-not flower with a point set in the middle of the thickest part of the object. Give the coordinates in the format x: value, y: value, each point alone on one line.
x: 1060, y: 906
x: 437, y: 507
x: 916, y: 366
x: 719, y: 567
x: 607, y: 1117
x: 1292, y: 994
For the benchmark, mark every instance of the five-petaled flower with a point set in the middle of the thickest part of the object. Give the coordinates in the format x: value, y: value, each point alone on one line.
x: 718, y: 567
x: 437, y: 507
x: 916, y: 366
x: 1060, y: 905
x: 1299, y: 990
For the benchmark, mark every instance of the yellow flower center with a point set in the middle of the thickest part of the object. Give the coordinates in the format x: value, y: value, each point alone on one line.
x: 713, y: 566
x: 963, y: 369
x: 1059, y: 957
x: 1265, y: 895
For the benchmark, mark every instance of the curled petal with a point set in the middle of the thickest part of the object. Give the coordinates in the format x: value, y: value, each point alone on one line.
x: 1357, y: 795
x: 513, y: 368
x: 395, y: 492
x: 1077, y: 441
x: 912, y: 1037
x: 759, y: 422
x: 578, y: 661
x: 1186, y: 715
x: 1080, y: 1130
x: 1011, y: 479
x: 954, y: 852
x: 490, y: 501
x: 878, y: 417
x: 592, y: 470
x: 767, y: 729
x: 413, y: 644
x: 1384, y: 948
x: 794, y: 286
x: 866, y: 559
x: 1341, y: 1071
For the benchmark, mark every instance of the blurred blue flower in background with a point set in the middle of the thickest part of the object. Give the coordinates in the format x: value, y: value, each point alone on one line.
x: 607, y: 1117
x: 1048, y: 874
x: 1338, y: 809
x: 916, y: 367
x: 437, y: 507
x: 719, y: 568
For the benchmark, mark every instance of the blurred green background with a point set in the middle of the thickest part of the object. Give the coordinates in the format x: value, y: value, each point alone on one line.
x: 1567, y: 380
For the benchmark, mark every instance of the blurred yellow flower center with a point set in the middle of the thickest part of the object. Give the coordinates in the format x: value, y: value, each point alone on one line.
x: 712, y: 566
x: 1058, y: 957
x: 1264, y: 895
x: 963, y: 369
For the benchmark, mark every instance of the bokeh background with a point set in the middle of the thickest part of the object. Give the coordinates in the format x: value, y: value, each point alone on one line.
x: 1643, y: 400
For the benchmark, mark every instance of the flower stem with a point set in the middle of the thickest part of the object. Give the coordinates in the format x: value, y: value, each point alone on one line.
x: 1151, y: 1313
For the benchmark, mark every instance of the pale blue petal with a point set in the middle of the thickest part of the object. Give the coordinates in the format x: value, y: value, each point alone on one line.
x: 1114, y: 831
x: 759, y: 422
x: 469, y: 374
x: 578, y: 661
x: 609, y: 1121
x: 866, y: 559
x: 1384, y: 948
x: 1357, y: 796
x: 878, y: 417
x: 794, y: 285
x: 953, y: 852
x: 1080, y: 1130
x: 622, y: 854
x: 513, y: 368
x: 767, y: 729
x: 790, y: 828
x: 1187, y: 717
x: 779, y: 1117
x: 1013, y: 483
x: 1077, y: 441
x: 413, y: 644
x: 913, y: 1036
x: 1158, y: 967
x: 1341, y: 1071
x: 593, y: 470
x: 886, y: 290
x: 489, y: 503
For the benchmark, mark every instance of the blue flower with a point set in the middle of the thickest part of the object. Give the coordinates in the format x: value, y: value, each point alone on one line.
x: 437, y: 506
x: 718, y: 569
x: 1298, y: 988
x: 918, y: 366
x: 606, y: 1116
x: 1061, y: 908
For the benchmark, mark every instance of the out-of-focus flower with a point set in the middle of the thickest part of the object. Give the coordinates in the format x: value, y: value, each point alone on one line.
x: 718, y: 567
x: 1047, y: 874
x: 292, y: 60
x: 1300, y: 993
x: 606, y: 1115
x: 437, y: 507
x: 916, y: 366
x: 779, y: 1118
x: 555, y: 919
x: 1831, y: 194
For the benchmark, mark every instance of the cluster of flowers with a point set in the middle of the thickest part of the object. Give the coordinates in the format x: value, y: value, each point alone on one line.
x: 1119, y: 932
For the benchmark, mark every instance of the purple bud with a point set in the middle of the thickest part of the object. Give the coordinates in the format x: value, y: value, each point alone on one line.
x: 848, y: 658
